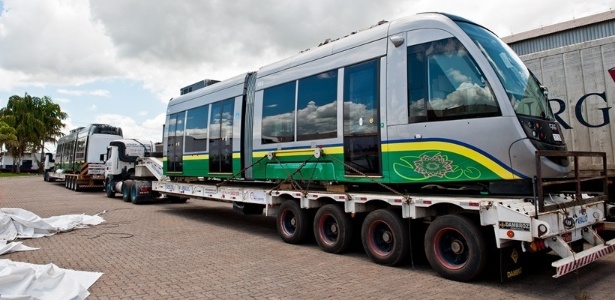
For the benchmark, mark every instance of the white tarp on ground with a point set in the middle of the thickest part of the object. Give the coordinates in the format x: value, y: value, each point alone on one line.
x: 20, y: 223
x: 46, y: 282
x: 21, y: 281
x: 6, y: 247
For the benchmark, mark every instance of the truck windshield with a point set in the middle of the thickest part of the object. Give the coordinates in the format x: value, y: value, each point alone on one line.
x: 523, y: 89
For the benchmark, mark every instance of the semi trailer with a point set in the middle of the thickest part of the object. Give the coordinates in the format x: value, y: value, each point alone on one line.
x: 77, y: 159
x: 425, y: 130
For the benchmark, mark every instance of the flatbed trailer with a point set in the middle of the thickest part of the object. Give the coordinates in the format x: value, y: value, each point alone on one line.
x: 460, y: 229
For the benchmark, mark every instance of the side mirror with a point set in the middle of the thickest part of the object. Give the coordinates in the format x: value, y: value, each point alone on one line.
x: 545, y: 91
x: 102, y: 157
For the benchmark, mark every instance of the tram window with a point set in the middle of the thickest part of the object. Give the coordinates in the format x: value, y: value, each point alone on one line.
x: 278, y: 123
x: 221, y: 137
x: 317, y: 107
x: 444, y: 83
x: 361, y: 99
x: 196, y: 129
x: 80, y: 151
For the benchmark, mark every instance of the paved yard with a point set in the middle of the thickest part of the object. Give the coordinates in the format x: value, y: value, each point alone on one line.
x: 202, y: 249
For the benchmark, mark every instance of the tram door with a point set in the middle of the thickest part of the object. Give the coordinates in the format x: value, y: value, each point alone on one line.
x: 221, y: 137
x: 175, y: 145
x: 362, y: 119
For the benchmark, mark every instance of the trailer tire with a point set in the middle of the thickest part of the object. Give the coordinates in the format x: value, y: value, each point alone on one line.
x: 76, y: 187
x: 126, y: 186
x: 455, y: 247
x: 385, y: 237
x: 293, y: 223
x: 333, y: 229
x: 110, y: 189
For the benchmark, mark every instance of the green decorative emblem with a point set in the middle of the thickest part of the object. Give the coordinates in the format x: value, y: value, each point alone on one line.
x: 433, y: 166
x: 436, y: 166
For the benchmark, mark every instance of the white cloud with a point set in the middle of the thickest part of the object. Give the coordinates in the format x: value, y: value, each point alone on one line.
x: 53, y: 42
x: 100, y: 93
x: 93, y: 107
x: 61, y: 100
x: 150, y: 129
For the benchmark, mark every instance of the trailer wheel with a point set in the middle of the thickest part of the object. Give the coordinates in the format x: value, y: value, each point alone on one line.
x: 332, y: 229
x: 126, y: 186
x: 110, y: 189
x: 455, y: 247
x: 293, y: 223
x: 385, y: 237
x: 66, y: 182
x: 76, y: 185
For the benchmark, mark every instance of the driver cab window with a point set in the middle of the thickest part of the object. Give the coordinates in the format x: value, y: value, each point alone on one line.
x: 444, y: 83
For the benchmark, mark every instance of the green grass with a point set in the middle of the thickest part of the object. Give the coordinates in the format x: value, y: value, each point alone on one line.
x: 10, y: 174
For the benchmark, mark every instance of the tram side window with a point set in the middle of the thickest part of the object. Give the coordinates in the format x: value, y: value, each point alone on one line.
x: 80, y: 151
x: 317, y: 107
x: 196, y: 129
x: 278, y: 122
x: 444, y: 83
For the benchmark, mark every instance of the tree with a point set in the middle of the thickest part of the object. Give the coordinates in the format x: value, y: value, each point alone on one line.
x: 52, y: 116
x: 7, y: 137
x: 35, y: 122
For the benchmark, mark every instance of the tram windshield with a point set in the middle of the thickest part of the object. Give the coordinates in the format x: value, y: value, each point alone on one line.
x: 522, y: 88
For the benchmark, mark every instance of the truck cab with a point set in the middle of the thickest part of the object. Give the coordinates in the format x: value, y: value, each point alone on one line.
x: 122, y: 154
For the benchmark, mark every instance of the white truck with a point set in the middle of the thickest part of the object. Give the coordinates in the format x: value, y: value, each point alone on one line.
x: 130, y: 167
x: 76, y: 161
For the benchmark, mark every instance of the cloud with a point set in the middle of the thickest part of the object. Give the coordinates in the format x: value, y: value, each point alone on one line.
x: 150, y: 129
x: 53, y: 42
x: 100, y: 93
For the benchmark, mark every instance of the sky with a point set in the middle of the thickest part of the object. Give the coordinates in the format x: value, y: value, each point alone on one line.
x: 119, y: 62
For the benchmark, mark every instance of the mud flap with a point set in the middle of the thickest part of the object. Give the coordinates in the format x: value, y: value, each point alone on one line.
x: 511, y: 262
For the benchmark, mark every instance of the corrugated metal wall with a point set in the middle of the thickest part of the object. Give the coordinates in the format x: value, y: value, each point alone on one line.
x: 578, y: 76
x: 565, y: 38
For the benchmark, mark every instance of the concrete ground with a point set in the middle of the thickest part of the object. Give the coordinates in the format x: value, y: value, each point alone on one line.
x: 202, y: 249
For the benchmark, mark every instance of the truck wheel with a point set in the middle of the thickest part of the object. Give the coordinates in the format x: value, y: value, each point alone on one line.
x: 126, y: 186
x: 455, y: 247
x: 385, y: 237
x: 332, y: 229
x: 46, y: 176
x: 110, y: 189
x: 293, y: 223
x: 135, y: 198
x: 66, y: 182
